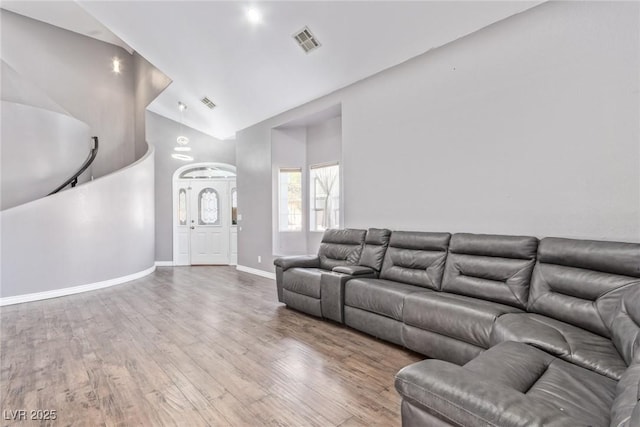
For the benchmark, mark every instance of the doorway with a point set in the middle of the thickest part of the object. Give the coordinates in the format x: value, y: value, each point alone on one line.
x: 204, y: 215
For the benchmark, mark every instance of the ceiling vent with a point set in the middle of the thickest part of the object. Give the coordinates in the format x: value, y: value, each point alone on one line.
x: 306, y: 40
x: 209, y: 103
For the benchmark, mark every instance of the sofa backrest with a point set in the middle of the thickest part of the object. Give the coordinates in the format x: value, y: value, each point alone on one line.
x: 375, y: 248
x: 625, y: 330
x: 491, y: 267
x: 341, y: 247
x: 581, y: 281
x: 416, y: 258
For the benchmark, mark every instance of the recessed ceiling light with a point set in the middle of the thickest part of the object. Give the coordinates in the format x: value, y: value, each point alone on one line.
x: 116, y: 65
x: 182, y: 140
x: 253, y: 15
x: 182, y: 149
x: 182, y: 157
x: 181, y: 106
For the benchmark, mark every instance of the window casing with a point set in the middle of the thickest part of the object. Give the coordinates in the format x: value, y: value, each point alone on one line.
x: 324, y: 197
x: 290, y: 199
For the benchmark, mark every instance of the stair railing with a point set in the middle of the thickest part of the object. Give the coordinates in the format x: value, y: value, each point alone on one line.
x: 74, y: 178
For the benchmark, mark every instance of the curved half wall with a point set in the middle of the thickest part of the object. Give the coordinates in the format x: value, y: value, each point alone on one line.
x: 100, y: 234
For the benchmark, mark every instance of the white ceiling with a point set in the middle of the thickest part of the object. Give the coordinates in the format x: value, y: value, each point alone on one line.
x: 255, y: 71
x: 65, y: 14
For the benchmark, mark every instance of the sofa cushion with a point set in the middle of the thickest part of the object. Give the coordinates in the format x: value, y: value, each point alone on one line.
x: 468, y: 319
x: 416, y: 258
x: 512, y: 384
x: 375, y: 248
x: 581, y: 281
x: 378, y: 296
x: 490, y: 267
x: 626, y: 406
x: 340, y: 247
x: 304, y: 281
x: 570, y: 343
x: 626, y: 326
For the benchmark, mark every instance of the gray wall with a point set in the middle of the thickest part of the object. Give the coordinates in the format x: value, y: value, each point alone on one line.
x: 75, y: 72
x: 101, y: 230
x: 529, y: 126
x: 288, y: 150
x: 324, y: 145
x: 162, y: 134
x: 149, y: 82
x: 38, y: 158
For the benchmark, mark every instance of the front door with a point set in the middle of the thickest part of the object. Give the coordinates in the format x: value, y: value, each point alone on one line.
x: 210, y: 222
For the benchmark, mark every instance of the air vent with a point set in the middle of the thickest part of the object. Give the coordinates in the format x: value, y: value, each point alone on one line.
x: 209, y: 103
x: 306, y: 40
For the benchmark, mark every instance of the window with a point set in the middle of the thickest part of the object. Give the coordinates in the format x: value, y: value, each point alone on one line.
x: 234, y: 206
x: 290, y: 200
x: 325, y: 197
x: 208, y: 207
x: 182, y: 206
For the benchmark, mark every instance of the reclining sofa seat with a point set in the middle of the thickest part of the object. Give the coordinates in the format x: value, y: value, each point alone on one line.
x: 530, y: 383
x: 485, y: 277
x: 303, y: 280
x: 414, y: 261
x: 298, y: 277
x: 574, y: 298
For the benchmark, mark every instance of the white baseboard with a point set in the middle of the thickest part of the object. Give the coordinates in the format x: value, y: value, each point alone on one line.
x: 164, y: 263
x: 75, y: 289
x: 257, y: 272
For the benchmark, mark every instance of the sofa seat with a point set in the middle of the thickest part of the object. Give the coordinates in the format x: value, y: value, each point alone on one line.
x: 303, y: 281
x: 568, y: 342
x: 456, y: 316
x: 383, y: 297
x: 512, y: 384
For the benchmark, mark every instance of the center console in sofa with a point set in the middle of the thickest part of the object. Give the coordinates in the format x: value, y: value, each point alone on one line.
x: 527, y: 331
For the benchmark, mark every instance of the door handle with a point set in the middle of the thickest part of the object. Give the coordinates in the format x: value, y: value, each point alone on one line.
x: 193, y: 227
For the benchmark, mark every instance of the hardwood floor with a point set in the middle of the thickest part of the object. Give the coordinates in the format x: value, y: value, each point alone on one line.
x: 192, y: 346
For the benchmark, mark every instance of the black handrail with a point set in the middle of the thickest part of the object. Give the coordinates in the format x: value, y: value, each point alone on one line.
x: 74, y: 179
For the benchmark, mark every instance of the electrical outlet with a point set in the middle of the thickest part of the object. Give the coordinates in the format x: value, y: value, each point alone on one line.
x: 259, y: 259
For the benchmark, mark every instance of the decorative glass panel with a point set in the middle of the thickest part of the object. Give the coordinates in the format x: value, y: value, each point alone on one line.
x: 209, y: 172
x: 208, y: 207
x: 182, y: 207
x: 234, y: 206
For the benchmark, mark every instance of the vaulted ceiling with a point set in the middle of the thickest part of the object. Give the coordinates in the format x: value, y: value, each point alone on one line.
x: 255, y: 70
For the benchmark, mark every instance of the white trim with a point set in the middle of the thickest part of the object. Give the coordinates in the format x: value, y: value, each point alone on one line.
x: 164, y: 263
x: 75, y: 289
x: 257, y: 272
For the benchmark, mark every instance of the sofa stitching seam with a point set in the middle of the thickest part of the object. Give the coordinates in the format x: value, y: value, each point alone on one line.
x: 445, y: 400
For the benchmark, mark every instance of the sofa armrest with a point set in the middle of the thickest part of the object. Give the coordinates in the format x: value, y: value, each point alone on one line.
x: 460, y: 396
x: 353, y: 270
x: 303, y: 261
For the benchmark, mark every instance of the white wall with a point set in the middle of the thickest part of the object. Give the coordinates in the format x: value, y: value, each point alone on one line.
x: 99, y: 231
x: 162, y: 133
x: 529, y: 126
x: 75, y: 72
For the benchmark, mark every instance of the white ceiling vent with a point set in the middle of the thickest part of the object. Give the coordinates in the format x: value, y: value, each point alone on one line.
x: 209, y: 103
x: 306, y: 40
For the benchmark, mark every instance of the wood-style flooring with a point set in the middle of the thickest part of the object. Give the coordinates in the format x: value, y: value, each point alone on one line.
x: 192, y: 346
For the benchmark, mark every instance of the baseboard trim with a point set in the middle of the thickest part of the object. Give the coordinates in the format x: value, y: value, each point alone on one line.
x: 257, y: 272
x: 18, y: 299
x: 164, y: 263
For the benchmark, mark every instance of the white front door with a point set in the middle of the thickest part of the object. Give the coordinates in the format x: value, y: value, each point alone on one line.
x: 210, y: 222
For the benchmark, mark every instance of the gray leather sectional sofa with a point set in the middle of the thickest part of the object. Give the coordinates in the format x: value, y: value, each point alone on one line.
x: 519, y: 331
